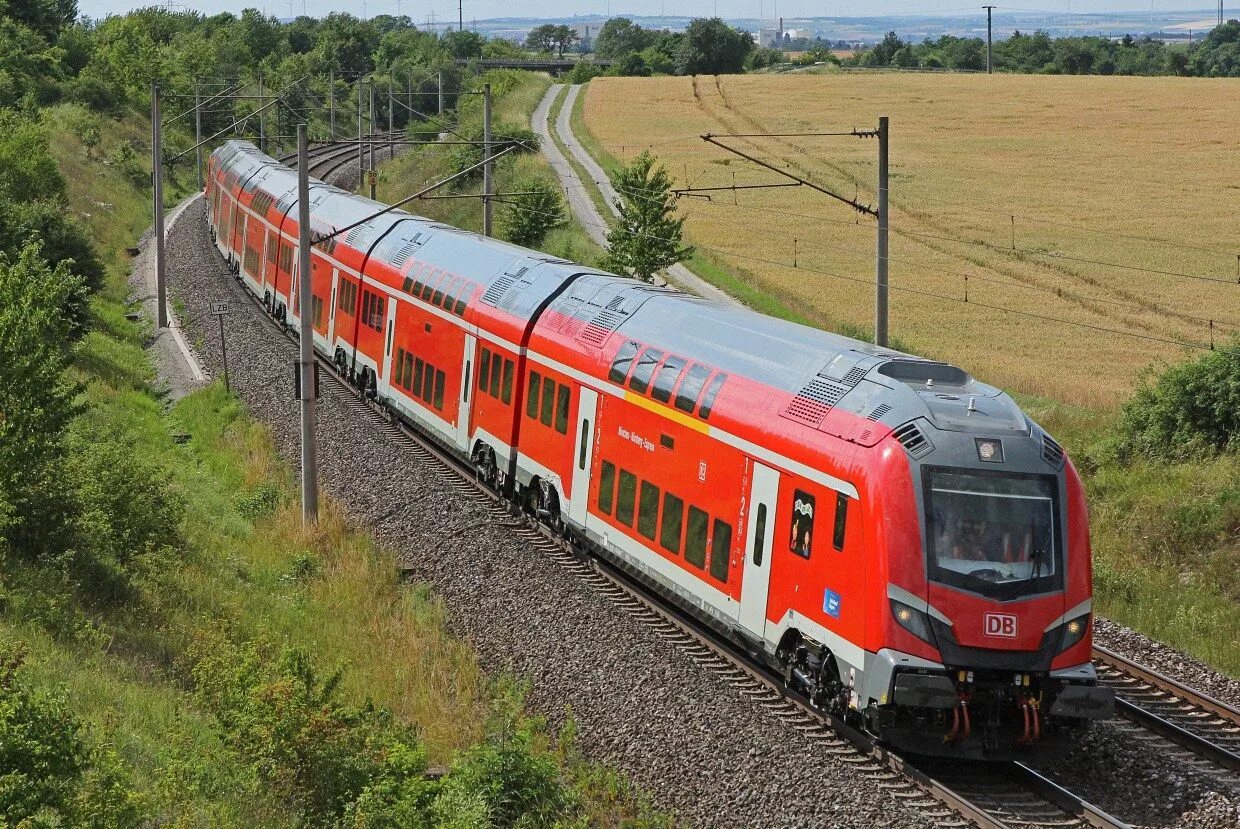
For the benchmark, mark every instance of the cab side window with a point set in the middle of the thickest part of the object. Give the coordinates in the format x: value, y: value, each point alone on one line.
x: 801, y: 539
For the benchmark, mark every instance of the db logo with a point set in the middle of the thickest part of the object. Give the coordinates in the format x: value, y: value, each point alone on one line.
x: 1001, y: 624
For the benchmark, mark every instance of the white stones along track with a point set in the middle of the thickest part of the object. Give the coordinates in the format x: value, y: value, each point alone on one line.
x: 697, y: 744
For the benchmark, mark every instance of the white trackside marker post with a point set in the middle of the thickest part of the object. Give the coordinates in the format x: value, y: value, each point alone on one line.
x: 305, y: 363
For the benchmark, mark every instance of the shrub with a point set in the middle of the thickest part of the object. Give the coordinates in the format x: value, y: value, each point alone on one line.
x: 1190, y: 410
x: 465, y: 155
x: 528, y: 218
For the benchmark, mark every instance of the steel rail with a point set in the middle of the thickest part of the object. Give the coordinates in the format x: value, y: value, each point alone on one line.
x: 1169, y: 726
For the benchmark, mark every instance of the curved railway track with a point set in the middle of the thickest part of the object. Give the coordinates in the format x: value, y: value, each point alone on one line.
x: 326, y: 159
x: 1196, y: 722
x: 952, y: 795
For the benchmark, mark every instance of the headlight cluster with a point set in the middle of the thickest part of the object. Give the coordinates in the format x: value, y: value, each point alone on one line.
x: 1073, y: 631
x: 913, y: 620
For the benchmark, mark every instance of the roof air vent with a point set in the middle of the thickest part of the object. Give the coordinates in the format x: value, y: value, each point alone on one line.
x: 1052, y: 452
x: 811, y: 404
x: 597, y: 330
x: 855, y: 375
x: 914, y: 440
x: 879, y: 410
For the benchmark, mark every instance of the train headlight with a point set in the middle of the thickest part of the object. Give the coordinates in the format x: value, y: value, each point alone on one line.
x: 913, y: 620
x: 989, y: 450
x: 1073, y: 632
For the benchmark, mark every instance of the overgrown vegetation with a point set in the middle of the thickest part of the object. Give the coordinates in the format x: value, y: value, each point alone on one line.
x: 1217, y: 55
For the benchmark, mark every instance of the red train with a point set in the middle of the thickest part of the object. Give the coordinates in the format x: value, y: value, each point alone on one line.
x: 897, y: 538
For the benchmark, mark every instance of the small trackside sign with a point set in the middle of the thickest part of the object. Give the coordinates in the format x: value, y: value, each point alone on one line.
x: 1002, y: 625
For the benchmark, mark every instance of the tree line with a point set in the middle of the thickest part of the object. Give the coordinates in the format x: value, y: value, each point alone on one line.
x: 1216, y: 55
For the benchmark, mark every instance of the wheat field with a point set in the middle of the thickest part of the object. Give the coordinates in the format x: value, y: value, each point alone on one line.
x: 1092, y: 222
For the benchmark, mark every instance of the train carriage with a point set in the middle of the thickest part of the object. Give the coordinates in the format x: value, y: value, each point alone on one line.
x: 897, y: 538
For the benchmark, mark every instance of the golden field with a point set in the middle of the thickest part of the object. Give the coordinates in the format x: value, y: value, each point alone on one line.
x: 1006, y: 183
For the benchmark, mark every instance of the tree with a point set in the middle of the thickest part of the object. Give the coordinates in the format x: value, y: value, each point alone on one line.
x: 463, y: 45
x: 882, y: 54
x: 712, y: 47
x: 647, y: 238
x: 46, y: 17
x: 563, y: 37
x: 542, y: 38
x: 620, y: 36
x: 528, y: 218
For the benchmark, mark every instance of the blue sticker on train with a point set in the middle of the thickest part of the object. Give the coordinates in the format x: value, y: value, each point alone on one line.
x: 831, y: 602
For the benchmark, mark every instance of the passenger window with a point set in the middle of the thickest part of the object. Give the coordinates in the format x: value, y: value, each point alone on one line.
x: 427, y: 288
x: 439, y: 384
x: 624, y: 360
x: 561, y: 410
x: 606, y: 487
x: 484, y: 369
x: 802, y: 539
x: 497, y: 365
x: 508, y: 368
x: 689, y: 391
x: 665, y: 380
x: 407, y: 285
x: 721, y: 550
x: 648, y: 510
x: 708, y: 402
x: 673, y: 518
x: 841, y: 520
x: 462, y: 301
x: 531, y: 397
x: 585, y: 437
x: 640, y: 381
x: 624, y: 502
x: 759, y: 535
x: 428, y: 383
x: 548, y: 401
x: 416, y: 387
x: 695, y: 538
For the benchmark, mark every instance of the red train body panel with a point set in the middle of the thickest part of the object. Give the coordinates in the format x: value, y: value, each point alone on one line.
x: 899, y: 539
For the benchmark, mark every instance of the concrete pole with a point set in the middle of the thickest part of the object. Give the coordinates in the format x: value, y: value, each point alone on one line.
x: 880, y: 290
x: 441, y: 92
x: 391, y: 105
x: 305, y: 362
x: 989, y: 37
x: 361, y: 147
x: 262, y: 118
x: 460, y: 15
x: 487, y: 183
x: 371, y: 142
x: 198, y: 132
x: 157, y: 200
x: 331, y: 104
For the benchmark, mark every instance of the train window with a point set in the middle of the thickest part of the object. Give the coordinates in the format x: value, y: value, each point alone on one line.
x: 666, y: 379
x: 623, y: 362
x: 695, y: 538
x: 380, y: 309
x: 640, y: 381
x: 271, y: 249
x: 462, y: 300
x: 407, y: 379
x: 428, y: 286
x: 548, y: 401
x: 440, y: 380
x: 721, y: 550
x: 624, y: 502
x: 416, y: 386
x: 484, y: 369
x: 316, y: 305
x: 497, y: 365
x: 418, y: 287
x: 509, y: 366
x: 428, y: 383
x: 399, y: 369
x: 465, y: 385
x: 648, y: 510
x: 689, y: 391
x: 561, y: 409
x: 673, y: 518
x: 407, y: 285
x: 449, y: 294
x: 606, y: 487
x: 759, y: 535
x: 531, y: 396
x: 585, y: 437
x: 841, y: 521
x: 708, y: 402
x: 801, y: 540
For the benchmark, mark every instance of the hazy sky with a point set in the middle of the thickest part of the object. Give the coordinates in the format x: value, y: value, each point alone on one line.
x: 480, y: 9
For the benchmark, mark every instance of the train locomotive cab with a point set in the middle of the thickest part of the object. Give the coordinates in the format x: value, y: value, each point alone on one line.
x: 983, y: 620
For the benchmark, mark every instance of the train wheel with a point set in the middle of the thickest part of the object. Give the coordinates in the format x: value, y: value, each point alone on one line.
x: 486, y: 467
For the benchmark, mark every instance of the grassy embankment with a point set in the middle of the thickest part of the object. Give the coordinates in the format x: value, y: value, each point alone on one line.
x: 248, y: 575
x: 1166, y: 536
x: 516, y: 95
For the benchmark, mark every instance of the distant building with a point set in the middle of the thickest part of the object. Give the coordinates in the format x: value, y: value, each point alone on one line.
x: 769, y: 37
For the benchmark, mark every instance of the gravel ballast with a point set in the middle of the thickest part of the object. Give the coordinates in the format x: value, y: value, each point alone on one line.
x: 698, y: 746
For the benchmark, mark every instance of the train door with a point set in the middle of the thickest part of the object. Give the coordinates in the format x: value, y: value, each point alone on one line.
x: 392, y: 302
x: 464, y: 409
x: 759, y: 537
x: 331, y: 313
x: 587, y: 410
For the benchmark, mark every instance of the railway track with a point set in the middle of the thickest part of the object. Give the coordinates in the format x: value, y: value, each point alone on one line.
x: 326, y: 159
x: 952, y: 794
x: 1197, y: 723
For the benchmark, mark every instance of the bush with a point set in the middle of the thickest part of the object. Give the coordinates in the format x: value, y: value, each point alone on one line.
x: 53, y: 775
x: 528, y: 218
x: 1190, y: 410
x: 465, y: 155
x: 584, y: 71
x: 63, y: 241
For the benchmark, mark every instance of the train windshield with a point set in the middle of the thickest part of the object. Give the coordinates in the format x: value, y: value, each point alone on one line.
x: 993, y: 534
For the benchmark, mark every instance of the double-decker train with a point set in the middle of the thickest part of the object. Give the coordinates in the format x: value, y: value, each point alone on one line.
x: 897, y: 538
